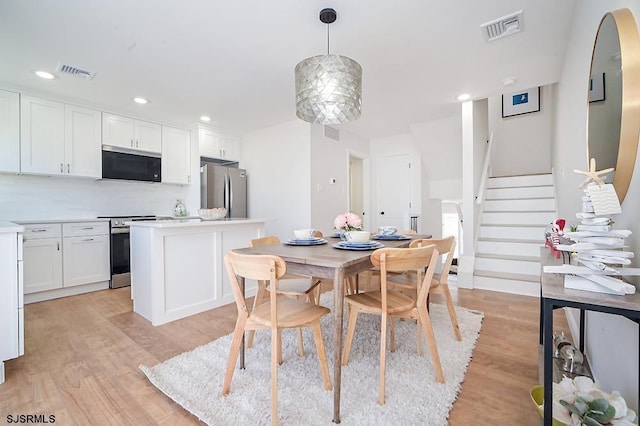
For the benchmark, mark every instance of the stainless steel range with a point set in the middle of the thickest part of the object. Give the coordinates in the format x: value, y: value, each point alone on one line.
x: 120, y: 253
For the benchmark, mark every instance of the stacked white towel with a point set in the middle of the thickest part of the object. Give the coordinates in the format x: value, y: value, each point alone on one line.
x: 600, y: 248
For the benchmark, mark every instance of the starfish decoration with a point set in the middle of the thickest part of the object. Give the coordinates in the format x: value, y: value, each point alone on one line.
x: 592, y: 174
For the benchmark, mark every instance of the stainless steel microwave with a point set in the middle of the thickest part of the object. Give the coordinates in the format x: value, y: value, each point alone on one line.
x: 120, y: 163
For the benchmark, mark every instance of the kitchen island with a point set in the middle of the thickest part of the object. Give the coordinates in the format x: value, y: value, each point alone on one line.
x: 177, y: 266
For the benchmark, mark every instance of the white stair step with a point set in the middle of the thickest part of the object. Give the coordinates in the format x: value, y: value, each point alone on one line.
x: 508, y: 247
x: 514, y: 181
x: 526, y: 266
x: 512, y: 232
x: 521, y: 192
x: 506, y: 285
x: 535, y: 204
x: 517, y: 218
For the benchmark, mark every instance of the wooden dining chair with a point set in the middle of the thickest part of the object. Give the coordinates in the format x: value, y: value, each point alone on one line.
x: 375, y: 272
x: 440, y: 281
x: 281, y: 312
x: 390, y: 303
x: 291, y: 285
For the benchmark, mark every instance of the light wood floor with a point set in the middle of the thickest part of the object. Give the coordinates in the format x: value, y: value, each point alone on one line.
x: 82, y: 355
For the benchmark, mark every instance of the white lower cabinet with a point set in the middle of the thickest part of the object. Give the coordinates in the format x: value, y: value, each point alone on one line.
x: 84, y: 259
x: 42, y: 257
x: 11, y: 301
x: 63, y: 256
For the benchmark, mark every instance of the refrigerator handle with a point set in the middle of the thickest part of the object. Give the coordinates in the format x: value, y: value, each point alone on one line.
x: 230, y: 196
x: 226, y: 192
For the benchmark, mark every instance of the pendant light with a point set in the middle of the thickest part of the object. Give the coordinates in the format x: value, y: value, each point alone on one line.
x: 328, y: 87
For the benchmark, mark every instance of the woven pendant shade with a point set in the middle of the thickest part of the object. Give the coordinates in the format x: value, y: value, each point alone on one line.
x: 328, y: 87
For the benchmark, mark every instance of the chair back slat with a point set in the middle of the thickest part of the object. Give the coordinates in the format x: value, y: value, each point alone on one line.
x: 402, y: 259
x: 444, y: 246
x: 252, y: 266
x: 264, y: 241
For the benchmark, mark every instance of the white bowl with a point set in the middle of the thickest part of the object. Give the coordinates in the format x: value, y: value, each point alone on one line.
x: 357, y: 236
x: 212, y: 214
x: 304, y: 234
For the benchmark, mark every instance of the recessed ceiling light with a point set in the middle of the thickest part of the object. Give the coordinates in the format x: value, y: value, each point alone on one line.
x: 464, y: 97
x: 205, y: 118
x: 44, y: 74
x: 140, y: 101
x: 509, y: 81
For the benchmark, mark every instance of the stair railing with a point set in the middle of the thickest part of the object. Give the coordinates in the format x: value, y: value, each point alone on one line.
x: 482, y: 187
x: 485, y: 172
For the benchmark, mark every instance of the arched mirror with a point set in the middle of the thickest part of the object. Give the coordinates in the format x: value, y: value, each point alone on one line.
x: 614, y: 98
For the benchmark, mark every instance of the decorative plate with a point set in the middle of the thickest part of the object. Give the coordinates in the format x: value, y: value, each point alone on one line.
x: 390, y: 237
x: 345, y: 245
x: 309, y: 242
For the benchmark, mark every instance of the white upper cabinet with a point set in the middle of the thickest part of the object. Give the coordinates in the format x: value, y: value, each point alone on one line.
x: 126, y: 132
x: 148, y: 136
x: 83, y: 143
x: 176, y: 155
x: 59, y: 139
x: 42, y: 136
x: 213, y: 144
x: 9, y: 132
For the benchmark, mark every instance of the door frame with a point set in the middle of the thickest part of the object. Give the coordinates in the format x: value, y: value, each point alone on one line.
x: 366, y: 186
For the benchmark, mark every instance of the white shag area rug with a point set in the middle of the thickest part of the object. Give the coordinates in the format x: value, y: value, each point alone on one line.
x: 194, y: 379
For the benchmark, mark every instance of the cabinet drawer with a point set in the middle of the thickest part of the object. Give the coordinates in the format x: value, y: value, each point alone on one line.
x: 42, y: 230
x: 77, y: 229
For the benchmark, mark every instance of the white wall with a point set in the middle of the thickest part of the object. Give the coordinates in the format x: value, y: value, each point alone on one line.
x: 439, y: 143
x: 522, y: 143
x: 330, y: 160
x: 612, y: 342
x: 278, y: 160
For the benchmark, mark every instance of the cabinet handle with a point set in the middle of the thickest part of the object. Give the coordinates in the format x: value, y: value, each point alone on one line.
x: 87, y: 227
x: 38, y: 230
x: 131, y: 140
x: 68, y: 168
x: 88, y: 239
x: 58, y: 244
x: 136, y: 143
x: 61, y: 168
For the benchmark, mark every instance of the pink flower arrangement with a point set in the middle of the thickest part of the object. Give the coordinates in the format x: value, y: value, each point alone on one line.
x: 348, y: 222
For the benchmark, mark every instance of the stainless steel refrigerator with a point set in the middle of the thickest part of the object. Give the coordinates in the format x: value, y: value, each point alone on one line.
x: 223, y: 186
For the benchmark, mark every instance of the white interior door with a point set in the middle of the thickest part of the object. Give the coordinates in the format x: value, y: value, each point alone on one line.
x: 394, y: 191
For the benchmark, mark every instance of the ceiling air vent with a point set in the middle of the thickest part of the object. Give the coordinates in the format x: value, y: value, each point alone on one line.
x: 503, y: 27
x: 74, y: 71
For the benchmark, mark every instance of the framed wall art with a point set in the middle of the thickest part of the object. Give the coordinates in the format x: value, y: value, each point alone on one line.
x: 521, y: 102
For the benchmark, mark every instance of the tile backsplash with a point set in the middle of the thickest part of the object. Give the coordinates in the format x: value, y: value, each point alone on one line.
x: 24, y: 197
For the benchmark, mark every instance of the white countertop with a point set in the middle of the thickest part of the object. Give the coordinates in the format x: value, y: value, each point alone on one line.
x: 6, y: 227
x: 29, y: 222
x: 181, y: 223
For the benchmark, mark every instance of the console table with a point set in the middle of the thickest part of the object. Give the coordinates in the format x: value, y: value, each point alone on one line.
x: 554, y: 295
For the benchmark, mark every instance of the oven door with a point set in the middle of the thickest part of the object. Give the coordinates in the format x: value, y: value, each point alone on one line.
x: 120, y: 258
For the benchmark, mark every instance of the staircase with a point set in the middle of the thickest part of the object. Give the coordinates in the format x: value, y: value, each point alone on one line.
x: 515, y: 213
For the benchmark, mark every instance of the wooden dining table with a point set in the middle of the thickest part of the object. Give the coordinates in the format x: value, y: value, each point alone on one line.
x: 326, y: 261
